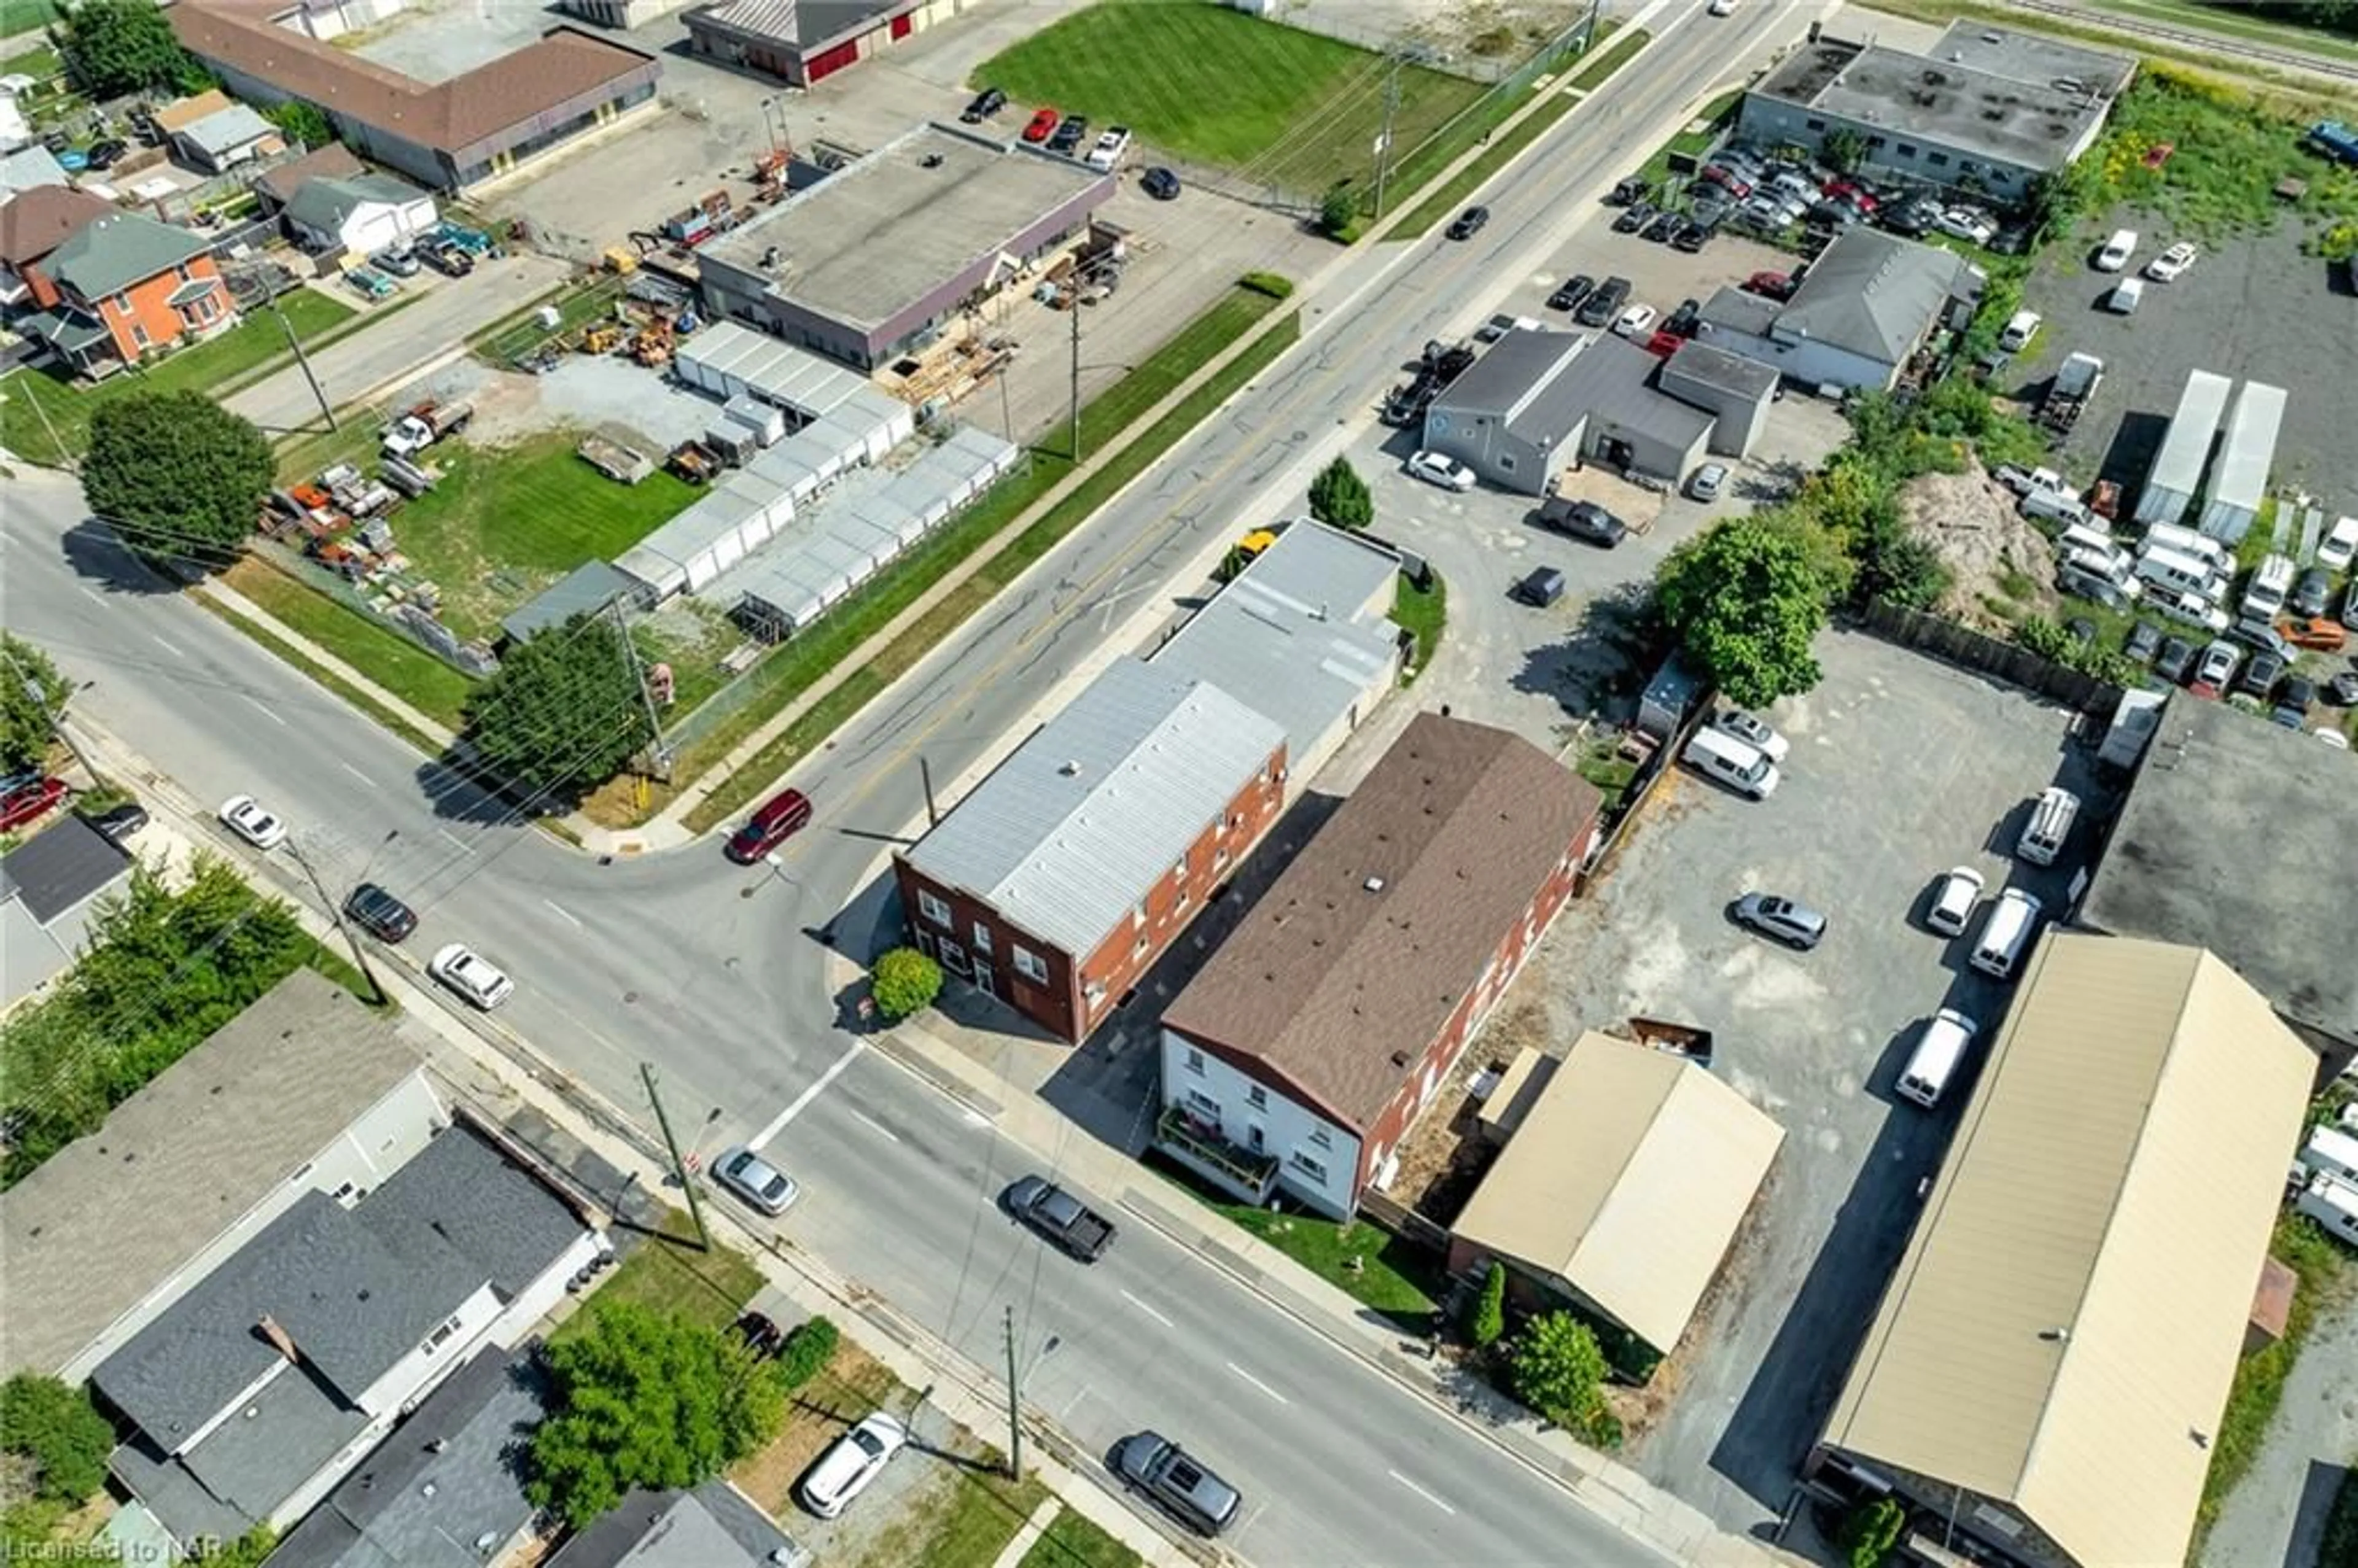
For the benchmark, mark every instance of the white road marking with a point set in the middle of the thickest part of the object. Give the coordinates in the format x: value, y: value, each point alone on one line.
x: 92, y: 595
x: 357, y: 774
x: 778, y: 1124
x: 874, y: 1123
x: 1147, y: 1310
x: 263, y: 708
x: 166, y: 646
x: 1257, y: 1383
x: 567, y: 914
x: 464, y: 848
x: 1420, y: 1491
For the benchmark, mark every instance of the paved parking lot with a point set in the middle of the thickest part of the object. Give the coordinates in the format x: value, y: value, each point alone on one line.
x: 1900, y: 768
x: 2290, y: 328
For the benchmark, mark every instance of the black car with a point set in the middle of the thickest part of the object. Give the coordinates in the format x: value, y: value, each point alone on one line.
x: 1160, y: 184
x: 1469, y: 222
x: 986, y: 102
x: 2144, y: 642
x: 1663, y: 227
x: 448, y: 260
x: 118, y: 822
x: 380, y: 914
x: 1692, y: 236
x: 107, y: 154
x: 2177, y: 658
x: 1627, y: 191
x: 1682, y: 322
x: 2341, y: 691
x: 1573, y: 291
x: 1068, y: 133
x: 2293, y: 703
x: 1911, y: 222
x: 2312, y: 593
x: 2261, y: 675
x: 1604, y: 304
x: 1636, y: 217
x: 1581, y: 519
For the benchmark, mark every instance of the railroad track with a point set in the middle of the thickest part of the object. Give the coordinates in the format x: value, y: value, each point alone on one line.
x: 2137, y: 27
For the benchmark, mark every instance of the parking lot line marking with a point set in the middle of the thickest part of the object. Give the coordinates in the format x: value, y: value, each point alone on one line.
x: 357, y: 774
x: 778, y: 1124
x: 1147, y: 1310
x: 1420, y: 1491
x: 464, y: 847
x: 1257, y: 1383
x: 166, y: 646
x: 569, y: 917
x: 87, y: 593
x: 263, y: 708
x: 874, y: 1123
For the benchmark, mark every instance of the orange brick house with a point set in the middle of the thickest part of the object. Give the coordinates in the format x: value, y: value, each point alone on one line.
x: 124, y: 287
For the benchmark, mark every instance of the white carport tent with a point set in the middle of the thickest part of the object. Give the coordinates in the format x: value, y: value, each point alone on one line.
x: 730, y: 359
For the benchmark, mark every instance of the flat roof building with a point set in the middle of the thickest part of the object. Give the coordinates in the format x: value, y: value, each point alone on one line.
x: 804, y: 41
x: 1622, y: 1185
x: 878, y: 255
x: 1989, y: 105
x: 2045, y: 1373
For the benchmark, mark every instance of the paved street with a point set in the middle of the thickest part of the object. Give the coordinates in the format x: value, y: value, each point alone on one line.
x: 713, y: 973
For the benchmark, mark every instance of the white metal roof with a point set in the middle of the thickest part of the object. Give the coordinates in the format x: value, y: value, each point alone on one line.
x: 1071, y: 831
x: 2250, y: 447
x: 2178, y: 467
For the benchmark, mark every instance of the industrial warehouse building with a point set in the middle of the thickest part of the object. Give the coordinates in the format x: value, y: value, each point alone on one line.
x: 804, y: 41
x: 446, y: 135
x: 1536, y: 402
x: 2045, y: 1375
x: 1621, y: 1187
x: 879, y: 256
x: 1735, y: 389
x: 1864, y: 308
x: 1298, y: 1058
x: 1986, y: 109
x: 1060, y: 878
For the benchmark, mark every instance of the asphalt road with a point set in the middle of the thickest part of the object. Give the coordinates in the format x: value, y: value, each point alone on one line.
x: 711, y: 972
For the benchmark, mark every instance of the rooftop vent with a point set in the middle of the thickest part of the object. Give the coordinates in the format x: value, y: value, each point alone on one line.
x: 1070, y: 770
x: 770, y: 256
x: 931, y: 160
x: 1374, y: 884
x: 1400, y: 1058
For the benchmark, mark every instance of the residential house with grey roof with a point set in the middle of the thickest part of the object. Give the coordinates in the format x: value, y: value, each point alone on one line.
x: 30, y: 168
x: 1538, y: 401
x: 1300, y: 1056
x: 1060, y: 878
x: 257, y: 1390
x: 123, y: 286
x: 714, y: 1525
x: 47, y: 885
x: 228, y: 136
x: 1864, y: 308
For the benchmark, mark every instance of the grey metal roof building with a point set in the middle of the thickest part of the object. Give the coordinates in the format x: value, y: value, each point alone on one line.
x: 1300, y: 635
x: 1067, y: 834
x: 587, y: 590
x: 1539, y: 401
x: 715, y: 1526
x: 61, y: 868
x: 872, y: 258
x: 1736, y: 390
x: 1864, y: 307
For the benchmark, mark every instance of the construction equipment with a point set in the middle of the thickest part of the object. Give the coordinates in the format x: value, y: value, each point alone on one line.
x: 621, y: 262
x: 652, y: 345
x: 600, y: 337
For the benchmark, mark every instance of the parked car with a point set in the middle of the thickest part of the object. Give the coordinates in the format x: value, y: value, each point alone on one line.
x: 1075, y: 1228
x: 1113, y: 142
x: 854, y: 1460
x: 2168, y: 266
x: 2341, y: 691
x: 2335, y: 551
x: 245, y: 816
x: 2312, y: 593
x: 755, y: 1180
x: 1469, y: 222
x: 1179, y: 1483
x: 1160, y: 184
x: 2116, y: 252
x: 2126, y: 297
x: 1795, y: 925
x: 1770, y: 285
x: 1576, y: 290
x: 1663, y: 227
x: 29, y: 802
x: 2177, y: 658
x: 118, y: 822
x: 2144, y: 642
x: 986, y: 102
x: 781, y: 816
x: 471, y: 975
x: 1753, y: 730
x: 1634, y: 217
x: 1041, y: 126
x: 2260, y: 676
x: 1706, y: 482
x: 370, y: 283
x: 1692, y: 234
x: 400, y: 261
x: 1626, y: 192
x: 1068, y: 135
x: 2260, y: 635
x: 2293, y: 703
x: 1967, y: 223
x: 1954, y: 898
x: 106, y: 155
x: 1437, y: 468
x: 1636, y: 322
x: 2214, y: 669
x: 1727, y: 179
x: 1604, y: 304
x: 1539, y: 587
x: 1582, y: 520
x: 380, y: 914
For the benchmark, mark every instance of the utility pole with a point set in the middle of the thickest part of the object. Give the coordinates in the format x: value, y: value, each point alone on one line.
x: 678, y: 1165
x: 1384, y: 143
x: 65, y: 454
x: 925, y: 776
x: 1076, y: 309
x: 1014, y: 1405
x: 303, y: 359
x: 646, y: 698
x: 343, y: 929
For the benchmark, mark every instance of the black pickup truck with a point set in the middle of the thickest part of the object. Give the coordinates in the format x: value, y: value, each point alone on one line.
x: 1063, y: 1218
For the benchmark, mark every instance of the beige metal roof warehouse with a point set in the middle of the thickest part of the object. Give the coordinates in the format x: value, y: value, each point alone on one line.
x: 2062, y: 1331
x: 1626, y: 1179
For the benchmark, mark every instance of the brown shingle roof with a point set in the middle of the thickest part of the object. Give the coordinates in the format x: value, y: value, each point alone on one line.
x: 180, y: 113
x: 1361, y: 950
x: 446, y: 116
x: 334, y: 161
x: 39, y: 221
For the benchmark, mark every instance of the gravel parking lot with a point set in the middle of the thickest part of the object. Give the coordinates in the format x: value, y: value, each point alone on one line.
x: 1900, y: 768
x: 2289, y: 328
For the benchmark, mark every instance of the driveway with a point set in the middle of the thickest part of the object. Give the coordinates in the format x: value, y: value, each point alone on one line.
x: 2277, y: 1516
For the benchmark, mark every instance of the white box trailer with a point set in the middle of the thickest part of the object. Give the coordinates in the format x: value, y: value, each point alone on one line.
x: 2239, y: 481
x: 2334, y: 1205
x: 2333, y: 1151
x: 2176, y: 472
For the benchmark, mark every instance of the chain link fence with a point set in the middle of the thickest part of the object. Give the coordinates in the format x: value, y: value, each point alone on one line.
x: 408, y: 617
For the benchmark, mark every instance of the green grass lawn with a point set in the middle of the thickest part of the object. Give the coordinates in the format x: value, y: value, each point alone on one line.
x: 963, y: 1519
x: 384, y: 655
x: 1393, y: 1278
x: 2326, y: 1276
x: 1075, y: 1541
x: 35, y: 405
x: 38, y: 63
x: 1225, y: 89
x: 24, y: 15
x: 2229, y: 152
x: 668, y: 1273
x: 1422, y: 612
x: 505, y: 522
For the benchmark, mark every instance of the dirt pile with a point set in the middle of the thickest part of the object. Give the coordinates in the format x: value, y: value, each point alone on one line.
x: 1995, y: 557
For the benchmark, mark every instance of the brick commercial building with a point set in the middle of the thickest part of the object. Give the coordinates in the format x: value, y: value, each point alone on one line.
x: 1061, y: 878
x: 1299, y: 1057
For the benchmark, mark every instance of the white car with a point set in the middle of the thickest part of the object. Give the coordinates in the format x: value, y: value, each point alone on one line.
x: 1111, y: 144
x: 2126, y: 297
x: 2335, y: 551
x: 2117, y: 251
x: 1707, y: 482
x: 1637, y: 321
x: 2168, y: 266
x: 855, y: 1459
x: 1435, y: 468
x: 471, y: 975
x: 1953, y: 899
x: 1969, y: 223
x: 1723, y: 7
x: 1753, y: 732
x: 244, y: 815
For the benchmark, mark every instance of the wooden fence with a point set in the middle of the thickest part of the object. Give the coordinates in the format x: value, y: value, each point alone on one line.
x: 1957, y: 644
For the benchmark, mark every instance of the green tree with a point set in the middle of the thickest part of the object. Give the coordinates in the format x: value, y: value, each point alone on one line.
x: 562, y: 714
x: 1746, y: 603
x: 645, y: 1398
x: 806, y: 1351
x: 1870, y: 1531
x: 1339, y: 497
x: 61, y: 1432
x: 1559, y: 1370
x: 115, y: 47
x: 906, y: 981
x: 1898, y: 566
x: 1843, y: 147
x: 301, y: 122
x: 180, y: 478
x: 1489, y: 1318
x: 1338, y: 208
x: 30, y: 691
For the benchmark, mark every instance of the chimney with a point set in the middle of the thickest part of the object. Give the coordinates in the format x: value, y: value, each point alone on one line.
x: 280, y: 1338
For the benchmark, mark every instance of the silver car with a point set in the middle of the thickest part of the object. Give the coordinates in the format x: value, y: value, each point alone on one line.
x: 755, y: 1180
x: 1795, y: 925
x: 1705, y: 482
x: 1754, y: 731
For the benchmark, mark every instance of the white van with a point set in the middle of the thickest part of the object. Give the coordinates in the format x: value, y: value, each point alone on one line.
x: 2186, y: 608
x: 2187, y: 542
x: 2052, y: 815
x: 2013, y: 919
x: 2019, y: 330
x: 1946, y: 1040
x: 1720, y: 756
x: 2271, y: 580
x: 2055, y: 507
x: 2179, y: 574
x: 2089, y: 535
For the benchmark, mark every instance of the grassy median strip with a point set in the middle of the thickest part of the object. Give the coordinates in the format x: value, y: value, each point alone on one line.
x: 1075, y: 1541
x: 1444, y: 201
x: 392, y: 660
x: 807, y: 658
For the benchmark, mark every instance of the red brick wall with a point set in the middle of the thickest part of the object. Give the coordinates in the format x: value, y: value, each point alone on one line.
x: 146, y: 306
